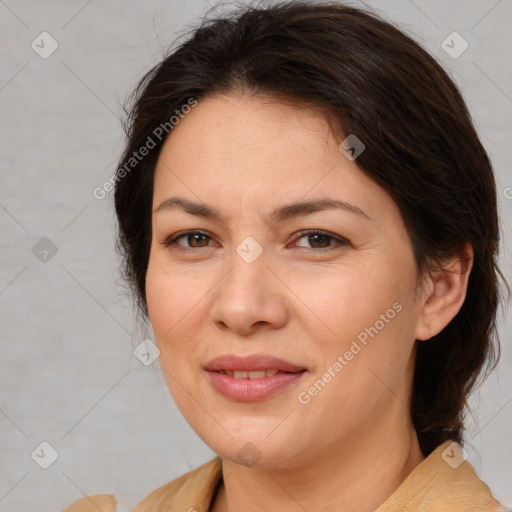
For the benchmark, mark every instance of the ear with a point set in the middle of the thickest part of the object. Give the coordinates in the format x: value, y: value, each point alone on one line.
x: 444, y: 294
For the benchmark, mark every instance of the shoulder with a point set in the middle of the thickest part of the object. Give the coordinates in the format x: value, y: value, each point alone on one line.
x: 193, y: 490
x: 96, y: 503
x: 444, y: 481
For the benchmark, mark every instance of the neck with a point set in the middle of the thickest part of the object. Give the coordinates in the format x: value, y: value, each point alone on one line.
x: 357, y: 476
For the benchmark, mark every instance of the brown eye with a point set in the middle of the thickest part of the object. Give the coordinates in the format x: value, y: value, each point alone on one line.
x: 197, y: 238
x: 320, y: 240
x: 194, y: 239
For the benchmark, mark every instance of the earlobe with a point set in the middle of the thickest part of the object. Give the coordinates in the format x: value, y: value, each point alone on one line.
x: 445, y: 296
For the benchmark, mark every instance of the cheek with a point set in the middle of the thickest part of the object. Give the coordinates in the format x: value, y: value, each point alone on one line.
x: 165, y: 310
x: 169, y: 295
x: 158, y: 297
x: 366, y: 316
x: 174, y: 302
x: 165, y: 302
x: 347, y: 299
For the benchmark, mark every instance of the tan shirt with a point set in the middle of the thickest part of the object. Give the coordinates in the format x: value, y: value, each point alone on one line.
x: 433, y: 486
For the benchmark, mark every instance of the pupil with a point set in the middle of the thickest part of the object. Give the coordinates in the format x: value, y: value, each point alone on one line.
x: 311, y: 237
x: 195, y: 237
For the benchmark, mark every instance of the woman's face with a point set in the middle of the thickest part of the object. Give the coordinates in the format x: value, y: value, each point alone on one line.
x: 257, y: 283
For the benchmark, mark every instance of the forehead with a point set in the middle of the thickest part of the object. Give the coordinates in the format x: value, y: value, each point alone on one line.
x: 241, y: 130
x: 266, y: 151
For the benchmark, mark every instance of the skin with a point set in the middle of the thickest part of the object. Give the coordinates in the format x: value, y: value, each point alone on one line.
x: 353, y: 444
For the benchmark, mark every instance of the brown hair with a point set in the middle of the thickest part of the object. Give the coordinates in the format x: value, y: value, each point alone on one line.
x: 373, y: 81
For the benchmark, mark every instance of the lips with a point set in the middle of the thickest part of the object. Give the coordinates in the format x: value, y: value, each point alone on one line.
x: 252, y: 374
x: 252, y: 363
x: 250, y: 378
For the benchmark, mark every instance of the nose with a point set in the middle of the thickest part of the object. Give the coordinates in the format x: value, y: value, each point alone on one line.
x: 250, y: 297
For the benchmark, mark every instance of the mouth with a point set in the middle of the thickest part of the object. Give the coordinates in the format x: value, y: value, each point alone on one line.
x: 252, y: 374
x: 251, y: 364
x: 254, y: 377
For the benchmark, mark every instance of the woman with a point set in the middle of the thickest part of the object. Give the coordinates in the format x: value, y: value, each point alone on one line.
x: 315, y: 246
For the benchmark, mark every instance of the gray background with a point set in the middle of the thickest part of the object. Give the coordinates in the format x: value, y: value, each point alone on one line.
x: 68, y: 373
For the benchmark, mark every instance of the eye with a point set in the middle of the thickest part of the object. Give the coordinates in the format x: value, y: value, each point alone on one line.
x: 321, y: 240
x: 196, y: 239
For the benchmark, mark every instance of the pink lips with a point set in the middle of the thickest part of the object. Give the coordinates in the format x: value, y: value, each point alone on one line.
x: 248, y: 389
x: 253, y: 362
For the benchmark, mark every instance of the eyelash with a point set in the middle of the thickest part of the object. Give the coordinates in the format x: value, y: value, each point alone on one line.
x: 171, y: 241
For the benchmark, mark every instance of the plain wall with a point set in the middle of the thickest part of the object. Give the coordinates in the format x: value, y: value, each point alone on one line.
x: 68, y: 373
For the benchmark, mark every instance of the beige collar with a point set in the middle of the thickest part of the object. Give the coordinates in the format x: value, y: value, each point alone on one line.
x: 443, y: 482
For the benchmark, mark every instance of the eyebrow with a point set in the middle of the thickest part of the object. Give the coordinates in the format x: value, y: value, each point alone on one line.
x: 280, y: 214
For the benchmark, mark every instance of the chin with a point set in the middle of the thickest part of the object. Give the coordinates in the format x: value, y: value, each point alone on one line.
x: 261, y: 450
